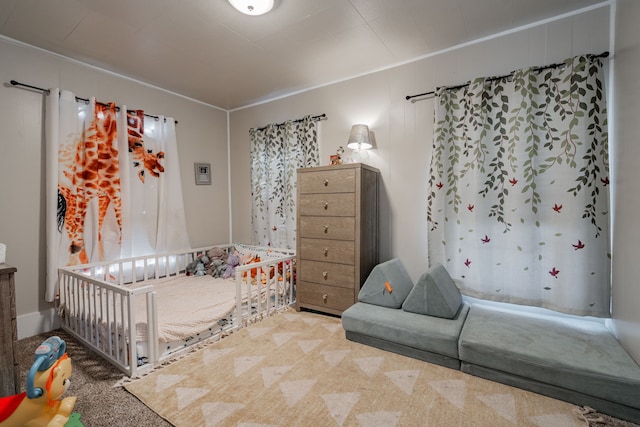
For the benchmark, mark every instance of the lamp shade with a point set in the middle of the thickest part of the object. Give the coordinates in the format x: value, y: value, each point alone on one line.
x: 359, y: 138
x: 252, y: 7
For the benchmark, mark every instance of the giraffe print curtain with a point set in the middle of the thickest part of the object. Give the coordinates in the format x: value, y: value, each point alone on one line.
x: 113, y: 184
x: 518, y: 204
x: 276, y: 152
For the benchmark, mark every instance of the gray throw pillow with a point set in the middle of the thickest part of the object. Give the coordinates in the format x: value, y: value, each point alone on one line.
x: 388, y: 285
x: 435, y: 294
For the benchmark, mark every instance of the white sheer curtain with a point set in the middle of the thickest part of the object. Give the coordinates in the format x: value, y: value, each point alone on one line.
x: 97, y: 205
x: 152, y: 186
x: 277, y: 151
x: 518, y: 205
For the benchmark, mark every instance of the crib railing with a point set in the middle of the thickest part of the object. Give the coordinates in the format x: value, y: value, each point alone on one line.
x: 275, y: 277
x: 96, y: 302
x: 102, y: 315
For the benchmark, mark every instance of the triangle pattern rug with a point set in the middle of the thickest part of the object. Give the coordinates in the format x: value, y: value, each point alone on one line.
x: 298, y: 369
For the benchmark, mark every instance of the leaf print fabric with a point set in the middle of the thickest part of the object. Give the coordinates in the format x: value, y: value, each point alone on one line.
x: 277, y: 151
x: 518, y: 200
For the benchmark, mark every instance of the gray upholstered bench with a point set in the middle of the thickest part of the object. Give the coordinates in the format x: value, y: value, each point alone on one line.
x: 422, y: 321
x: 427, y: 338
x: 578, y: 362
x: 573, y: 360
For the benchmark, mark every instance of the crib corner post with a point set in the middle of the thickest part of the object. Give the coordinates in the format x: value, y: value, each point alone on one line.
x: 152, y: 328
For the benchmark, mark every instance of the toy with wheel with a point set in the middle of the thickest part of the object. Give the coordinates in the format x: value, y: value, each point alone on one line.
x: 42, y: 404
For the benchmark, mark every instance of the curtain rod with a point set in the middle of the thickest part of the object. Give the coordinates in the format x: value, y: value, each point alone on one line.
x: 318, y: 117
x: 47, y: 91
x: 408, y: 97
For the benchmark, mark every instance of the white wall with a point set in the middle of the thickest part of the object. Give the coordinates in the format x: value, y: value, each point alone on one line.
x: 202, y: 137
x: 403, y: 136
x: 403, y: 129
x: 626, y: 232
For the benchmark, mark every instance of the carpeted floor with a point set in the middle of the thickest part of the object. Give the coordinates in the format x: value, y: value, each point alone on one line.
x: 298, y: 369
x: 92, y: 381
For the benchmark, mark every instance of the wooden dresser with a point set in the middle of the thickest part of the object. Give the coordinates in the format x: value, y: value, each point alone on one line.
x: 9, y: 373
x: 337, y: 241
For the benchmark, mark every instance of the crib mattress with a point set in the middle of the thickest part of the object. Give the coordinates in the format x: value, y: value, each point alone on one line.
x: 186, y: 306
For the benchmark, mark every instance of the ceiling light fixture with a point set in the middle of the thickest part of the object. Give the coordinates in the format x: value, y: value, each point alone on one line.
x: 252, y: 7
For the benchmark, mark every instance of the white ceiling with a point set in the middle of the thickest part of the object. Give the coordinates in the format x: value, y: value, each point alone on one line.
x: 206, y: 50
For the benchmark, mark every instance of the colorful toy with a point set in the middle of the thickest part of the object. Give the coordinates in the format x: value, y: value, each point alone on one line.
x: 230, y: 267
x: 42, y: 404
x: 336, y: 159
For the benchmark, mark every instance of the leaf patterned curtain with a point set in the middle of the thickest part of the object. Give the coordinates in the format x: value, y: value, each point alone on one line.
x: 276, y: 152
x: 518, y: 204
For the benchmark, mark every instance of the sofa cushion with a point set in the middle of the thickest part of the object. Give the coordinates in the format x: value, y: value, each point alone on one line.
x: 388, y: 285
x: 426, y: 333
x: 435, y: 294
x: 578, y: 355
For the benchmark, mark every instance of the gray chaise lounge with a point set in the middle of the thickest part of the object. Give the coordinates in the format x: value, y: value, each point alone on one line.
x: 577, y: 361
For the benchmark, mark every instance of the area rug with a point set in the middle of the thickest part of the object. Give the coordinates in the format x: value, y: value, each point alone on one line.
x: 297, y: 369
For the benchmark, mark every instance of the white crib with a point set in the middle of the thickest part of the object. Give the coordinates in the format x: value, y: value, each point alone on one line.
x: 112, y: 307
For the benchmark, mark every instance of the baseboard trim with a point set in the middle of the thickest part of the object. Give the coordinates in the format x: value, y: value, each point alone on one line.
x: 38, y: 322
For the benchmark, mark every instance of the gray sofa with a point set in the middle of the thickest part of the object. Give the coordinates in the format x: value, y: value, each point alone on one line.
x: 576, y: 361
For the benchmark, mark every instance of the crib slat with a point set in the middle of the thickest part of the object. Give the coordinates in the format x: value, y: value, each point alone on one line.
x: 152, y: 327
x: 238, y: 311
x: 130, y: 347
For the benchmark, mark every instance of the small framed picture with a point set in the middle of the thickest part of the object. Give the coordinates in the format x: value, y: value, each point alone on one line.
x: 203, y: 173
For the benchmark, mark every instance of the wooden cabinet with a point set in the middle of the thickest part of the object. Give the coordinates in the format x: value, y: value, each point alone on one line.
x: 337, y: 240
x: 9, y: 374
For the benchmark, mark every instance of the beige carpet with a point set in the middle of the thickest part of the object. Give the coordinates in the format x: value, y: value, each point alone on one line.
x: 297, y: 369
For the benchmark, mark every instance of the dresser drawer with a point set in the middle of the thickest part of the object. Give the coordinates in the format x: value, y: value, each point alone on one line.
x: 340, y: 204
x: 322, y: 297
x: 327, y: 227
x: 336, y: 181
x: 338, y: 251
x: 327, y: 273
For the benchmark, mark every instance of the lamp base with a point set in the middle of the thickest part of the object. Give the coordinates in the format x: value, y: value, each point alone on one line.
x: 359, y: 156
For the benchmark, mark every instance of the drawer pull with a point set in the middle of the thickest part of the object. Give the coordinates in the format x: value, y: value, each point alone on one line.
x: 326, y: 182
x: 326, y: 229
x: 326, y: 251
x: 326, y: 205
x: 324, y: 298
x: 324, y: 275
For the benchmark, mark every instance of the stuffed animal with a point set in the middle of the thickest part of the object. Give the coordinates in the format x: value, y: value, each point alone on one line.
x: 254, y: 271
x: 192, y: 267
x: 42, y: 404
x: 215, y: 268
x: 200, y: 270
x: 336, y: 159
x: 217, y: 253
x: 230, y: 267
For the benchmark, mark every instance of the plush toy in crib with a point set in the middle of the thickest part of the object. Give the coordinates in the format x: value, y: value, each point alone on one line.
x: 200, y: 270
x: 230, y: 267
x: 192, y: 267
x: 217, y: 257
x: 42, y: 404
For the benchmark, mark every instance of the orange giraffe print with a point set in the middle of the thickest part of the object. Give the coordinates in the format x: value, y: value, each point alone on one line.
x: 143, y: 159
x: 91, y: 169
